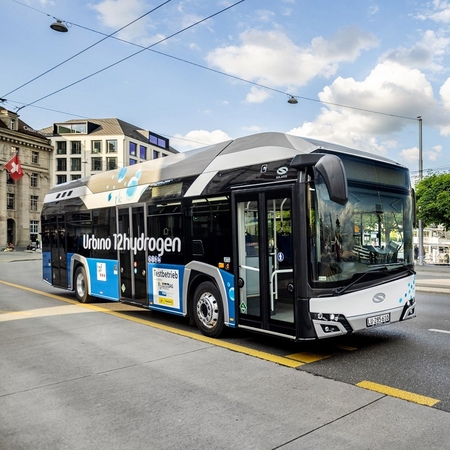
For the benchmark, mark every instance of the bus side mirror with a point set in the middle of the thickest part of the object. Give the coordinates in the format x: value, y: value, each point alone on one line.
x: 414, y: 209
x: 332, y: 171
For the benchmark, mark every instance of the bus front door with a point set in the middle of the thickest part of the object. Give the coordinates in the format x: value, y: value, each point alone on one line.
x: 265, y: 261
x: 132, y: 254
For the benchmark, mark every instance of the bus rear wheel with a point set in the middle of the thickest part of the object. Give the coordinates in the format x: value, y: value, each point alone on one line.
x: 81, y: 286
x: 208, y: 310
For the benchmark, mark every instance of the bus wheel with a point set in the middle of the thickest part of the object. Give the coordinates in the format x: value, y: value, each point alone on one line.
x: 208, y: 310
x: 81, y: 286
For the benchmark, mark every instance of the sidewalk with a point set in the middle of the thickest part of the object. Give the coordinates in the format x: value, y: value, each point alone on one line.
x: 430, y: 278
x: 20, y: 255
x: 433, y: 279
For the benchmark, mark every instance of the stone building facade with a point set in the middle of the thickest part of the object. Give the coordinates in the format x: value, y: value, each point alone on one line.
x: 21, y: 200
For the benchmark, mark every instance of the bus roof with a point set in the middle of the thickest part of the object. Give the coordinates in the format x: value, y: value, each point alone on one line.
x: 202, y: 166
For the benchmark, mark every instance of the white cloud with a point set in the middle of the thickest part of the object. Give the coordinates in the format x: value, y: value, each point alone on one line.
x: 198, y: 138
x: 252, y: 129
x: 434, y: 153
x: 445, y: 94
x: 390, y: 88
x: 115, y: 14
x: 272, y: 58
x: 410, y: 155
x: 425, y: 54
x: 257, y: 95
x: 342, y: 128
x: 439, y: 12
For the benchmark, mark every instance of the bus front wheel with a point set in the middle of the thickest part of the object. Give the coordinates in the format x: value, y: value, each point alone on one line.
x: 81, y: 286
x: 208, y: 310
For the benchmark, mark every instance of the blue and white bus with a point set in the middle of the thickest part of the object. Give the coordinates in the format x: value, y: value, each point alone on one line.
x: 271, y: 232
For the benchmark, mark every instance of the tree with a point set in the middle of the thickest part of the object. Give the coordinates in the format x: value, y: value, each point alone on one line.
x: 433, y: 200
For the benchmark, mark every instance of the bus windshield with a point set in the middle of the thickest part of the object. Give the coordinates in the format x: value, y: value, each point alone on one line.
x: 371, y: 231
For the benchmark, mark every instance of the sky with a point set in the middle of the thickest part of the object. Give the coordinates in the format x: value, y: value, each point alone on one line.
x: 201, y: 72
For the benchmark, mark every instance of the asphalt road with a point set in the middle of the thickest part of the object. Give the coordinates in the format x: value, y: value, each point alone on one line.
x: 75, y: 376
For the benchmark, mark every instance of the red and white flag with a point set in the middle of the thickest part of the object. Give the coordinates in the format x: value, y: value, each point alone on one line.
x: 14, y: 168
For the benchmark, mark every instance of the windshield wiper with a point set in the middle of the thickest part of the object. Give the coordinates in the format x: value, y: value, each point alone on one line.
x: 341, y: 290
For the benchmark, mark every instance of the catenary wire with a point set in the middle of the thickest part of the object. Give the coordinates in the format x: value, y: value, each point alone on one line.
x: 298, y: 97
x: 132, y: 55
x: 86, y: 49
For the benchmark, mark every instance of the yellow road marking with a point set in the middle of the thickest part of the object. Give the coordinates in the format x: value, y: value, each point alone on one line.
x: 393, y: 392
x: 346, y: 347
x: 307, y: 357
x: 218, y: 343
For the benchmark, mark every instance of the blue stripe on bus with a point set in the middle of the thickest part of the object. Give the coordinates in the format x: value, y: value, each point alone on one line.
x: 228, y: 281
x: 104, y: 277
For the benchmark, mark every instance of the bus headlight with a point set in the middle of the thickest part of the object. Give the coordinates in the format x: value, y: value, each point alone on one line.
x: 325, y: 317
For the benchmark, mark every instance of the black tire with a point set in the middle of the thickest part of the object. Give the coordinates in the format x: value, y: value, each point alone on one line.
x: 208, y: 310
x: 81, y: 286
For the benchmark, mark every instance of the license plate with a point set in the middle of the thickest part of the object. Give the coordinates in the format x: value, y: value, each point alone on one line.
x: 378, y: 320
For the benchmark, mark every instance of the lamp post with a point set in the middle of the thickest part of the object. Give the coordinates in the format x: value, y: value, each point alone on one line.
x: 419, y: 118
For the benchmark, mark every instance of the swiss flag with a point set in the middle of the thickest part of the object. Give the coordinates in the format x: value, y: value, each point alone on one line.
x: 14, y: 168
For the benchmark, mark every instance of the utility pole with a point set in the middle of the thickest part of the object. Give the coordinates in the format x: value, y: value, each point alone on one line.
x: 420, y: 179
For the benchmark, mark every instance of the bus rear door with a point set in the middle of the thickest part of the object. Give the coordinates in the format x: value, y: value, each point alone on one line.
x: 264, y: 245
x: 54, y: 254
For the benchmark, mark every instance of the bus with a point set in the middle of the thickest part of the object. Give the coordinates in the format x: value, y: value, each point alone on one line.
x: 274, y: 233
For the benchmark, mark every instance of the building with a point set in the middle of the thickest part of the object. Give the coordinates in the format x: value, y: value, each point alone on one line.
x: 436, y: 244
x: 89, y: 146
x: 21, y: 200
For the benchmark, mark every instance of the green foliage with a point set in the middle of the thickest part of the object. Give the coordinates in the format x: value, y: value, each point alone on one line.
x: 433, y: 200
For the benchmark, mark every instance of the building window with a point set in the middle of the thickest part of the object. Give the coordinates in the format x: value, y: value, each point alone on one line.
x: 75, y: 164
x: 12, y: 124
x: 111, y: 146
x: 158, y: 141
x: 71, y: 128
x: 61, y: 164
x: 132, y: 162
x: 133, y: 149
x: 96, y: 163
x: 35, y: 157
x: 142, y: 152
x: 9, y: 180
x: 111, y: 163
x: 34, y: 180
x: 75, y: 147
x: 75, y: 177
x: 61, y: 179
x: 34, y: 203
x: 34, y: 226
x: 155, y: 154
x: 96, y: 146
x: 10, y: 204
x: 61, y: 147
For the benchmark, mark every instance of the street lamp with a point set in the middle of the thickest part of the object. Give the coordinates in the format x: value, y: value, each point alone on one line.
x: 59, y: 26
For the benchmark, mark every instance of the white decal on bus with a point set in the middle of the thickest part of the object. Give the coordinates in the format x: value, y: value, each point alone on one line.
x: 137, y: 244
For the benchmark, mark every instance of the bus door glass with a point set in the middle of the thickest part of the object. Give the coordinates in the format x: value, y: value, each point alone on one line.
x: 265, y: 260
x: 53, y: 248
x: 132, y: 255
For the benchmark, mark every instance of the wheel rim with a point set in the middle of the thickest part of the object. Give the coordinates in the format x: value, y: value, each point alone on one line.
x: 81, y: 285
x: 208, y: 310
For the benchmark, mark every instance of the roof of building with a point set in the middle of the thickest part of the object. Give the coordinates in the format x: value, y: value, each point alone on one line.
x: 22, y: 127
x: 111, y: 126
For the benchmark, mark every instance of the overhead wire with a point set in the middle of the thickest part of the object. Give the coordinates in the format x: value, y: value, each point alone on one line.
x: 298, y: 97
x: 86, y: 49
x: 131, y: 56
